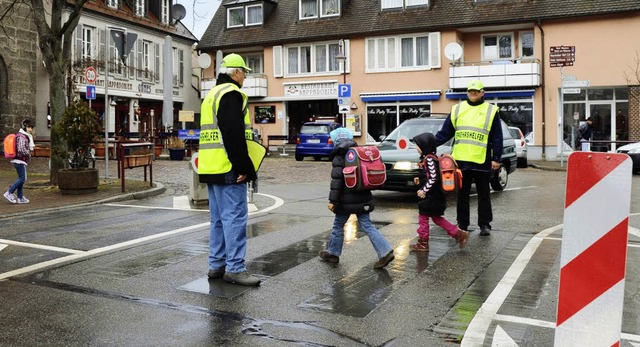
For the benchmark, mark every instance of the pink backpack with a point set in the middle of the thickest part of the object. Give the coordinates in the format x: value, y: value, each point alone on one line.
x: 364, y: 169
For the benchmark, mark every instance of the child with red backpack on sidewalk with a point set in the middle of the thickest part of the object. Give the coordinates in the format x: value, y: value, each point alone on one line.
x: 432, y: 201
x: 24, y: 146
x: 344, y: 202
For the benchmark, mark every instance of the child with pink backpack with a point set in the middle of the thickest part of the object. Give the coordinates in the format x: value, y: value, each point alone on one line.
x: 24, y: 145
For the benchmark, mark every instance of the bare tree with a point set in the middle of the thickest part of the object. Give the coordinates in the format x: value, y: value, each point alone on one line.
x: 632, y: 76
x: 54, y: 40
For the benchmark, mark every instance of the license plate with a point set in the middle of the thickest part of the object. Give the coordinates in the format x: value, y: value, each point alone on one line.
x: 313, y: 141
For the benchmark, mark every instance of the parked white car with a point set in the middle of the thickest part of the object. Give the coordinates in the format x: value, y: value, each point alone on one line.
x: 521, y: 146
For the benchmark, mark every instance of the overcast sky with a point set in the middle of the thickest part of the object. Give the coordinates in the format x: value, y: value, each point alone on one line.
x: 199, y: 14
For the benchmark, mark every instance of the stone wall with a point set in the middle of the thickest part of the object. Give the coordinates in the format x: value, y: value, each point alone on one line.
x: 634, y: 113
x: 18, y: 57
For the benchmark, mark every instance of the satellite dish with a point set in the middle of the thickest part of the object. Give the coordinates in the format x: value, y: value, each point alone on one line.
x: 204, y: 60
x: 178, y: 12
x: 453, y: 51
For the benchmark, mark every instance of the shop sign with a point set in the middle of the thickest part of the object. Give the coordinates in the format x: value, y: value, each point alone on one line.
x: 311, y: 89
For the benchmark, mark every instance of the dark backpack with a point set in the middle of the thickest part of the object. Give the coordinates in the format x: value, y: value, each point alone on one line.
x: 364, y: 169
x: 450, y: 174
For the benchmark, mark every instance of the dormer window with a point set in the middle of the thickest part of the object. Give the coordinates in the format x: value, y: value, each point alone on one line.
x: 112, y: 3
x: 326, y: 8
x: 164, y: 16
x: 244, y: 16
x: 400, y: 4
x: 140, y: 8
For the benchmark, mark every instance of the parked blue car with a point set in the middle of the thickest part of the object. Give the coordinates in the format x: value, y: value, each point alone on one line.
x: 314, y: 140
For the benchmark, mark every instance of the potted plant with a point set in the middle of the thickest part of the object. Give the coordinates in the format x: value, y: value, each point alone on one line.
x: 176, y: 148
x: 79, y: 126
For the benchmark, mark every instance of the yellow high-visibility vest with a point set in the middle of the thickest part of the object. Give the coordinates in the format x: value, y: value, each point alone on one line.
x: 472, y: 124
x: 213, y: 157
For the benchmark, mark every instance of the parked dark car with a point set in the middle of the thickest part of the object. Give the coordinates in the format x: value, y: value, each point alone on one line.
x: 633, y: 151
x: 402, y: 165
x: 314, y: 140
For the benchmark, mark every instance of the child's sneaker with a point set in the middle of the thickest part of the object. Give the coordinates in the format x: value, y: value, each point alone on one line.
x: 23, y: 200
x: 10, y: 197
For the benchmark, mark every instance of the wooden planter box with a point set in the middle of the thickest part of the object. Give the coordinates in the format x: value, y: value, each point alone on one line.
x: 136, y: 160
x: 39, y: 151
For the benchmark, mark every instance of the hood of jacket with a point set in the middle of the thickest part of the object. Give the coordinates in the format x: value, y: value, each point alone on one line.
x: 426, y: 142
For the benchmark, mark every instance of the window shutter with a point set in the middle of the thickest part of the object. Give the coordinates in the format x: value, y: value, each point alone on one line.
x: 156, y: 51
x: 347, y: 50
x: 103, y: 39
x: 140, y: 73
x: 78, y: 55
x: 131, y: 61
x: 277, y: 61
x: 434, y: 49
x: 181, y: 66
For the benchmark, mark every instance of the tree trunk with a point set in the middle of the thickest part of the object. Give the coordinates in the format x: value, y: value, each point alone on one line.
x: 58, y: 105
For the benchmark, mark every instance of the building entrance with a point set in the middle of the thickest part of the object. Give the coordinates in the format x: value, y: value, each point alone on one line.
x: 300, y: 112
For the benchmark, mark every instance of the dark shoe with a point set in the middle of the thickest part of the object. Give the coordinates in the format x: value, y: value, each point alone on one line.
x: 328, y: 257
x: 241, y: 278
x: 421, y: 246
x: 384, y: 261
x: 216, y: 273
x: 485, y: 231
x: 462, y: 237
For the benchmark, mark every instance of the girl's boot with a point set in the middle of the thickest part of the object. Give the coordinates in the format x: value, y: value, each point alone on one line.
x: 421, y: 246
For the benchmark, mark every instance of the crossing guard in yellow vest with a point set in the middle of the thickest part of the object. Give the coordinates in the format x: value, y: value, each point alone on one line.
x: 225, y: 166
x: 475, y: 126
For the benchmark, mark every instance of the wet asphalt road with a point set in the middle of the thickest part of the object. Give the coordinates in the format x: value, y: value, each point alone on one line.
x: 134, y: 273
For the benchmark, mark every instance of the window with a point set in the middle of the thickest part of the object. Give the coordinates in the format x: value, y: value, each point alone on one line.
x: 415, y: 52
x: 88, y: 44
x: 146, y: 59
x: 393, y: 4
x: 116, y: 66
x: 326, y: 8
x: 498, y: 46
x: 325, y: 57
x: 112, y: 3
x: 254, y: 62
x: 254, y: 15
x: 235, y: 17
x: 299, y: 59
x: 140, y: 8
x: 164, y: 15
x: 526, y: 44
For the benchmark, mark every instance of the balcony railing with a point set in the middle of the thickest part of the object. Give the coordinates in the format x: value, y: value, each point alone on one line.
x: 496, y: 74
x: 254, y: 86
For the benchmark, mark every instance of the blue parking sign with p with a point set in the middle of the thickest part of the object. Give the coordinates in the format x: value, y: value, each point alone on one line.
x: 91, y: 92
x: 344, y: 90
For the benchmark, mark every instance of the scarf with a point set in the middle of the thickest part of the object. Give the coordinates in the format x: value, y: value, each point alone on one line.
x: 32, y: 145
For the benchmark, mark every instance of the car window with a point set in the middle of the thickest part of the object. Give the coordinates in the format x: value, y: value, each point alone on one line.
x: 506, y: 133
x: 411, y: 129
x: 314, y: 129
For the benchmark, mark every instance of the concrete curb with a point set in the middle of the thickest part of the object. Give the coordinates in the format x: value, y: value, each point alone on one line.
x: 547, y: 168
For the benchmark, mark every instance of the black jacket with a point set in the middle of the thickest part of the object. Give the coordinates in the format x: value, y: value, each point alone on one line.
x: 231, y: 124
x: 435, y: 202
x: 346, y: 201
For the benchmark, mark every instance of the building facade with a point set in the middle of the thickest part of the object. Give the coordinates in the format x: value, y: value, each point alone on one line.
x: 547, y: 64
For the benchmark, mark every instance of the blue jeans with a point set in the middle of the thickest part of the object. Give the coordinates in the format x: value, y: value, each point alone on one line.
x: 228, y: 230
x: 380, y: 244
x: 19, y: 183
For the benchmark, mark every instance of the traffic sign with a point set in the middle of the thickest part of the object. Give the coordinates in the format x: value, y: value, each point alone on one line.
x: 90, y: 75
x: 91, y: 92
x: 571, y: 91
x: 562, y: 56
x: 569, y: 77
x: 344, y: 90
x: 576, y: 84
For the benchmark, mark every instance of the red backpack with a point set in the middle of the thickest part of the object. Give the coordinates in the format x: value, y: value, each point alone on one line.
x: 364, y: 169
x: 450, y: 175
x: 10, y: 146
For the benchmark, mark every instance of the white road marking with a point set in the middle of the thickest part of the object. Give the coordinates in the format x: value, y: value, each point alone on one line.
x: 33, y: 245
x: 181, y: 202
x: 508, y: 190
x: 86, y: 254
x: 502, y: 339
x: 2, y: 246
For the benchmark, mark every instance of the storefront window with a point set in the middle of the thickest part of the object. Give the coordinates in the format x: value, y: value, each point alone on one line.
x: 383, y: 118
x: 600, y: 94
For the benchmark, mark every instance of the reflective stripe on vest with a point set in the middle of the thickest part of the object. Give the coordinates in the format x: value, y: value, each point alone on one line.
x: 472, y: 124
x: 213, y: 157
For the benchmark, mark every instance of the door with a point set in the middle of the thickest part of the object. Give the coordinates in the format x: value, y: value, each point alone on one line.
x: 603, y: 126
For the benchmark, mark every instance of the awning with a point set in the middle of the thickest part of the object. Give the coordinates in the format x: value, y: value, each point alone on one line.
x: 401, y: 96
x: 493, y: 94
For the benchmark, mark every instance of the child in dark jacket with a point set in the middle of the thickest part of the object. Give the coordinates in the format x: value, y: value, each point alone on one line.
x: 432, y: 201
x: 343, y: 202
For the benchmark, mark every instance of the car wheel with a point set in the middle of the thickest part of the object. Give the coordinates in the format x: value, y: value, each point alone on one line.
x: 500, y: 178
x: 522, y: 162
x: 317, y: 158
x: 299, y: 157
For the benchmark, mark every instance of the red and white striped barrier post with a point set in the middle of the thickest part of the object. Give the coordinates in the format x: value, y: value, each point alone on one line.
x: 594, y: 250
